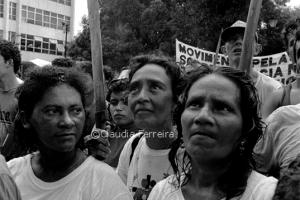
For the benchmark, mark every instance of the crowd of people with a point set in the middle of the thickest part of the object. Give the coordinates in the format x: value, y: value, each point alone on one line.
x: 214, y: 133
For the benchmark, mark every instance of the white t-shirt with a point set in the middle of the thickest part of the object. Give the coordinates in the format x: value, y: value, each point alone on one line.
x: 259, y: 187
x: 147, y: 167
x: 265, y: 85
x: 280, y: 143
x: 92, y: 180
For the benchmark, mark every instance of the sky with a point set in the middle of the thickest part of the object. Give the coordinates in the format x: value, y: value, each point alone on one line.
x: 81, y: 10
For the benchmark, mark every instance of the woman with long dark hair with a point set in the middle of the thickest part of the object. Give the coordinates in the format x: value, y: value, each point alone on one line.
x: 218, y: 125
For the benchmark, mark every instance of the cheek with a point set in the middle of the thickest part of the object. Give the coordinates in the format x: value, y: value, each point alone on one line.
x: 185, y: 124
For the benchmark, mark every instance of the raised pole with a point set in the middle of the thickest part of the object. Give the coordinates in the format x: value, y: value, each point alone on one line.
x: 97, y: 62
x: 247, y: 48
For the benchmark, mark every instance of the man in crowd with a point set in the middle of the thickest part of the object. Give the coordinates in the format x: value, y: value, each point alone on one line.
x: 122, y: 118
x: 233, y: 40
x: 280, y: 144
x: 8, y: 188
x: 10, y: 61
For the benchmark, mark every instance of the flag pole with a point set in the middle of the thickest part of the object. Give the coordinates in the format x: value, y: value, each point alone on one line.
x: 247, y: 48
x: 97, y: 62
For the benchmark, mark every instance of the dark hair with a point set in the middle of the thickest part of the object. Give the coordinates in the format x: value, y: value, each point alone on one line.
x: 172, y: 70
x: 116, y: 86
x: 289, y: 27
x: 289, y: 182
x: 62, y: 62
x: 234, y: 181
x: 32, y: 91
x: 9, y: 51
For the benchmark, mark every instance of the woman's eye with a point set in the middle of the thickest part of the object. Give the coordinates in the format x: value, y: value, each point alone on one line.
x: 76, y: 110
x: 222, y: 107
x: 51, y: 111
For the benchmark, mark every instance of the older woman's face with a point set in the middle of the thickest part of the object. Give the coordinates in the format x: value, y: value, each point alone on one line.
x: 150, y: 97
x: 58, y: 118
x: 212, y: 119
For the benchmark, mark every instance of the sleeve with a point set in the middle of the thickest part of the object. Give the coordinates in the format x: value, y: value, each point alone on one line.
x: 263, y: 150
x: 265, y: 190
x: 155, y: 193
x: 8, y: 188
x: 123, y: 164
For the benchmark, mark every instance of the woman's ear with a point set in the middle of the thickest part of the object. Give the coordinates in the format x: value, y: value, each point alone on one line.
x: 258, y: 49
x: 223, y: 50
x: 24, y: 120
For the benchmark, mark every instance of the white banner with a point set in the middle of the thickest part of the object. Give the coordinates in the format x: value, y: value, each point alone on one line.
x: 277, y: 66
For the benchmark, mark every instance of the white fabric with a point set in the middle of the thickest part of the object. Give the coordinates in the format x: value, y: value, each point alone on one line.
x: 280, y: 143
x: 259, y: 187
x: 147, y: 167
x: 265, y: 85
x: 91, y: 180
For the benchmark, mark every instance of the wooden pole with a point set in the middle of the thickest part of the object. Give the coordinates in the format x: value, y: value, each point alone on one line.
x: 247, y: 48
x: 218, y: 49
x: 97, y: 62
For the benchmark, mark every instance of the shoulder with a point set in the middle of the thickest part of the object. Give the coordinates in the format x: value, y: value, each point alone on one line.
x: 267, y: 81
x: 17, y: 165
x: 291, y: 112
x: 101, y: 175
x: 166, y: 189
x: 260, y: 187
x: 3, y: 166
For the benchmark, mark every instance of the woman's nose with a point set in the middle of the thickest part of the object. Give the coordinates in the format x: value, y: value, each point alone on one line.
x: 204, y: 116
x: 66, y: 120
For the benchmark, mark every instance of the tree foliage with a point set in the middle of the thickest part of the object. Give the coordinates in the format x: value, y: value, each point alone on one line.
x: 131, y: 27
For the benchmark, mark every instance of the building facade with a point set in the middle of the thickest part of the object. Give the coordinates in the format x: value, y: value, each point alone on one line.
x: 39, y: 27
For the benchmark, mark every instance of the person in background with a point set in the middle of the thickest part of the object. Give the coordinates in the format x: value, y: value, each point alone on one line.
x: 50, y: 127
x: 289, y: 94
x: 218, y: 124
x: 154, y: 87
x: 10, y: 60
x: 288, y: 187
x: 233, y: 40
x: 122, y: 118
x: 280, y: 143
x: 8, y: 188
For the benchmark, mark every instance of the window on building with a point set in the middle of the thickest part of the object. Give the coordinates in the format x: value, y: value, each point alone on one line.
x: 1, y: 34
x: 65, y: 2
x: 43, y: 18
x: 24, y: 13
x: 30, y: 15
x: 53, y: 20
x: 46, y: 18
x: 1, y: 8
x: 12, y: 10
x: 41, y: 44
x: 39, y: 17
x: 12, y: 36
x: 60, y: 21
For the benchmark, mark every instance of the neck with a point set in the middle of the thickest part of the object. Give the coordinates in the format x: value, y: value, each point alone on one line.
x: 59, y: 161
x: 8, y: 82
x: 207, y: 175
x: 130, y: 126
x: 160, y: 138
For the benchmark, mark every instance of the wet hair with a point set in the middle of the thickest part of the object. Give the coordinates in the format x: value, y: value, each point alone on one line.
x: 9, y: 51
x: 172, y: 70
x: 33, y: 90
x: 234, y: 181
x: 289, y: 182
x: 116, y: 86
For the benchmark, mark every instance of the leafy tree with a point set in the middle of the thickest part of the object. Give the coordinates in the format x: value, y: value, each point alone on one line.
x: 131, y: 27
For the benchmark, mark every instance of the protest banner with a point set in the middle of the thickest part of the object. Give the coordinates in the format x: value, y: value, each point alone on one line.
x: 277, y: 66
